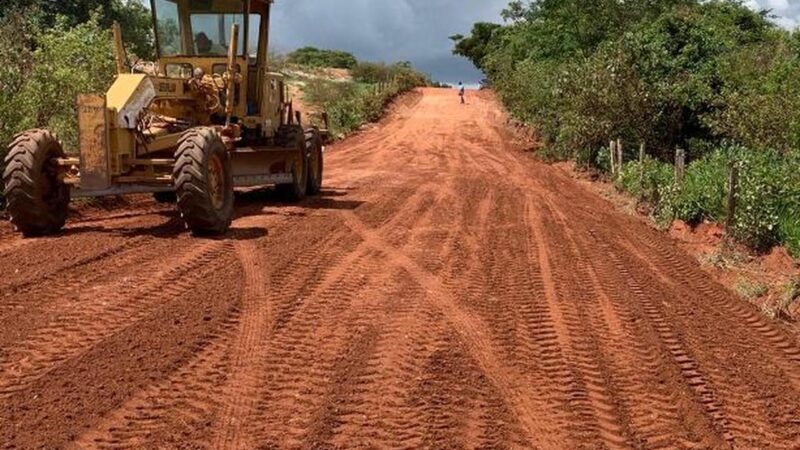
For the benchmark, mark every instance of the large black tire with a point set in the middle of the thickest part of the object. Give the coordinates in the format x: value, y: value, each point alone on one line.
x: 38, y: 201
x: 295, y: 191
x: 204, y: 182
x: 316, y: 163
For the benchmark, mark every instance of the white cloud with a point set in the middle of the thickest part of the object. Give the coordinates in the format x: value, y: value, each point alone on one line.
x: 786, y: 12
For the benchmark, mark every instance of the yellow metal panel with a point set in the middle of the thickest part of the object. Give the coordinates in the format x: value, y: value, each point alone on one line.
x: 128, y: 97
x: 123, y: 89
x: 93, y: 128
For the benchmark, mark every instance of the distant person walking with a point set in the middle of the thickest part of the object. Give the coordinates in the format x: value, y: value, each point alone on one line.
x: 462, y: 91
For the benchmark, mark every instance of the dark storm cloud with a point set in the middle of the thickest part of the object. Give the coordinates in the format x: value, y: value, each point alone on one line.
x: 386, y: 30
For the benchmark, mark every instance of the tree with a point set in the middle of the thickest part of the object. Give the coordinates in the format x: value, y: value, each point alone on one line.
x: 132, y: 16
x: 476, y: 46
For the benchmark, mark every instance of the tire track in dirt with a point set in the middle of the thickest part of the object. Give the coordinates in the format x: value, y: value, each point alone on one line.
x: 376, y: 365
x: 22, y: 311
x: 591, y: 385
x: 468, y: 329
x: 98, y: 317
x: 249, y: 345
x: 496, y: 276
x: 751, y: 415
x: 639, y: 389
x: 740, y: 425
x: 198, y: 403
x: 29, y: 272
x: 69, y: 398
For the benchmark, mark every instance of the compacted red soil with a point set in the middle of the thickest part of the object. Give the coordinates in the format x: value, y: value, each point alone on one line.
x: 445, y: 291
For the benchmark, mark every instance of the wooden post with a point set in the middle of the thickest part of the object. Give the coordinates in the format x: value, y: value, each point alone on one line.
x: 612, y: 150
x: 733, y: 185
x: 620, y: 157
x: 680, y: 164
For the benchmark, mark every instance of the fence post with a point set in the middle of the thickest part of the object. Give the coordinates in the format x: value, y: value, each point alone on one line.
x: 612, y: 149
x: 680, y: 164
x: 733, y: 185
x: 620, y: 157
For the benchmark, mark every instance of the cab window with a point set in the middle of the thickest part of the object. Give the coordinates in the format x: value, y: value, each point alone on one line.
x: 203, y: 27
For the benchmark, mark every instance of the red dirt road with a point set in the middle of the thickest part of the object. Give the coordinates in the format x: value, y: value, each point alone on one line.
x: 446, y: 291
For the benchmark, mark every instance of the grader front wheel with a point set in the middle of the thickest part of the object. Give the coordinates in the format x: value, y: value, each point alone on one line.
x: 204, y: 182
x: 37, y: 199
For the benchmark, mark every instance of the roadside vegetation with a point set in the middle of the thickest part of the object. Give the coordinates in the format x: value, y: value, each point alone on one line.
x: 713, y: 78
x: 363, y: 97
x: 314, y: 57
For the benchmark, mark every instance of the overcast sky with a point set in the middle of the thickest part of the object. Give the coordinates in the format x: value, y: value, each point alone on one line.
x: 412, y: 30
x: 386, y: 30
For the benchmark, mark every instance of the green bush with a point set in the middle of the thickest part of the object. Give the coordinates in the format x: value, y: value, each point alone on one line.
x: 16, y: 65
x: 351, y: 105
x: 67, y: 62
x: 789, y: 210
x: 790, y: 231
x: 760, y: 195
x: 314, y: 57
x: 647, y: 181
x: 702, y: 194
x: 42, y: 73
x: 401, y: 73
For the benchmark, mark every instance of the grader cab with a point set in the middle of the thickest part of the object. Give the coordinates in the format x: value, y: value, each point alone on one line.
x: 207, y: 117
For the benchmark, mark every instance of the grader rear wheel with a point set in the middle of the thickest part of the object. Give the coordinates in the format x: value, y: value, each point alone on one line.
x: 204, y: 182
x: 296, y: 190
x: 315, y: 162
x: 37, y: 200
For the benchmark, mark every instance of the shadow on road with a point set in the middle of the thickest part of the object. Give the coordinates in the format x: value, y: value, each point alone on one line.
x: 248, y: 204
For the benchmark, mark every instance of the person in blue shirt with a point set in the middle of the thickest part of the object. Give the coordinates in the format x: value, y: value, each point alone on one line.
x: 461, y: 91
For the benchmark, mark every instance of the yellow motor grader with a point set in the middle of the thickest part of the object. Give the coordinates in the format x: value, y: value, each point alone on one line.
x: 207, y: 117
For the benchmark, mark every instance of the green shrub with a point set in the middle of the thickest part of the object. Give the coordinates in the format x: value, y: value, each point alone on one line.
x: 16, y: 65
x: 790, y: 231
x: 702, y: 194
x: 646, y: 181
x: 67, y: 62
x: 762, y: 185
x: 789, y: 208
x: 314, y: 57
x: 401, y: 73
x: 350, y: 105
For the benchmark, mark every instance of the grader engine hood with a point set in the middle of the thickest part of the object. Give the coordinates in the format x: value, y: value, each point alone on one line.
x: 128, y: 97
